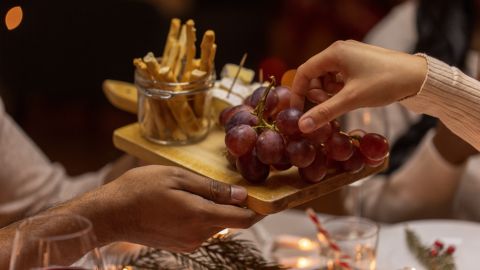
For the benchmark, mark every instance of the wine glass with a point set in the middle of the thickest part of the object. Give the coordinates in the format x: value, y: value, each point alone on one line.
x: 57, y: 242
x: 370, y: 120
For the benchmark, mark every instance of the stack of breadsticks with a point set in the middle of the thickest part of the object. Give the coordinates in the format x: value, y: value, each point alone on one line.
x: 183, y: 116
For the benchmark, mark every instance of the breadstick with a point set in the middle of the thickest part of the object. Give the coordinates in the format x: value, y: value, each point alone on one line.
x: 208, y: 51
x: 176, y: 133
x: 172, y: 36
x: 148, y: 122
x: 172, y: 60
x: 153, y: 66
x: 190, y: 50
x: 142, y: 68
x: 182, y: 42
x: 211, y: 60
x: 206, y: 47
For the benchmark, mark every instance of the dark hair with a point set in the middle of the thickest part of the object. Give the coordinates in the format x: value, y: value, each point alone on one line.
x: 445, y: 29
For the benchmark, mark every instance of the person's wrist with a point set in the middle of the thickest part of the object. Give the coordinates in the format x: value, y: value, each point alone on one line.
x: 416, y: 68
x: 99, y: 208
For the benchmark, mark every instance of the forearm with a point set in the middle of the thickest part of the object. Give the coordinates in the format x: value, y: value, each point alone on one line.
x: 93, y: 206
x: 6, y: 241
x: 97, y: 207
x: 451, y: 96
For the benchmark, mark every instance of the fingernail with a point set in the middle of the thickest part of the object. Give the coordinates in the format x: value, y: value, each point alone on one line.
x: 307, y: 125
x: 239, y: 194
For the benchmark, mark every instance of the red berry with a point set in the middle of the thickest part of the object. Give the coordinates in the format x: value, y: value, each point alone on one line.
x: 450, y: 250
x: 438, y: 244
x: 433, y: 252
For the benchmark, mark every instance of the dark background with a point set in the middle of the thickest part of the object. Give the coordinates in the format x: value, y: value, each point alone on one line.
x: 52, y: 66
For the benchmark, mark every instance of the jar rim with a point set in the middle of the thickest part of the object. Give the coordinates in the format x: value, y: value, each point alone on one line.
x: 152, y: 87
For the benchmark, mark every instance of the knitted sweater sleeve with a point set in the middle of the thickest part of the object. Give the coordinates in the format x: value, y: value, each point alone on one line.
x: 451, y: 96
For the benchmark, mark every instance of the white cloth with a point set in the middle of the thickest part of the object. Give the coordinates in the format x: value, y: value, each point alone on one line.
x: 426, y: 186
x: 29, y: 182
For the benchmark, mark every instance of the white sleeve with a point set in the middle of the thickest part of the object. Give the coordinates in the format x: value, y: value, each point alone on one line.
x: 424, y: 187
x: 29, y: 182
x: 397, y: 31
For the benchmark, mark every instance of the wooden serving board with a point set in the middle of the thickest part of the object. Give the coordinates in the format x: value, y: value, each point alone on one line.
x: 282, y: 190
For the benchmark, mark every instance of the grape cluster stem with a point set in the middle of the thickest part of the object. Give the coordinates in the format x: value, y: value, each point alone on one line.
x: 260, y: 108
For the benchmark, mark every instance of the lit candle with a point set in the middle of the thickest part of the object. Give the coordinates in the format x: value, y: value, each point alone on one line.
x: 294, y: 242
x: 303, y: 263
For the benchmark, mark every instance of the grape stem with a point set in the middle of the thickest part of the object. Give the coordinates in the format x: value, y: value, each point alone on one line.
x: 260, y: 108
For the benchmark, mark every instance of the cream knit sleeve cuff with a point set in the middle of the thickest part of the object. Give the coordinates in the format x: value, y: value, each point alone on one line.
x: 451, y: 96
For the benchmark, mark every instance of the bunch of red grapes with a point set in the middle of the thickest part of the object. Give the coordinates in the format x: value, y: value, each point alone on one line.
x: 263, y: 135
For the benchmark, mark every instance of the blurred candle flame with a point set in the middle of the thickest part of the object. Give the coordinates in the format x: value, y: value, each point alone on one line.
x: 306, y: 244
x: 14, y: 17
x: 303, y: 262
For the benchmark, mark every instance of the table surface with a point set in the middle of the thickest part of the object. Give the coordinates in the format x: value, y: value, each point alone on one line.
x: 392, y: 251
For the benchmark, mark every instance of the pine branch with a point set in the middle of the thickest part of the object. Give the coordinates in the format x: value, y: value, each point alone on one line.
x: 443, y: 261
x: 227, y: 253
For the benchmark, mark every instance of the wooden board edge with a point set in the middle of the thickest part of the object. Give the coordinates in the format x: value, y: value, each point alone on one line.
x: 334, y: 183
x: 138, y: 151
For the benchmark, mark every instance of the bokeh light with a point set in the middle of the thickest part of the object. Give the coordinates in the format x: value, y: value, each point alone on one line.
x: 14, y: 17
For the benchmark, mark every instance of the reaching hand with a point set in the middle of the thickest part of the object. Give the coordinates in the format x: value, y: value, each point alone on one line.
x: 363, y: 75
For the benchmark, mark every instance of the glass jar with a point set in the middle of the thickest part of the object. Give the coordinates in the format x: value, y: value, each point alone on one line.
x: 174, y: 113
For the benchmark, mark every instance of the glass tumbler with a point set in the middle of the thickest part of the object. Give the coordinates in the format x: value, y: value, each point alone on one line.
x: 48, y: 242
x: 356, y: 239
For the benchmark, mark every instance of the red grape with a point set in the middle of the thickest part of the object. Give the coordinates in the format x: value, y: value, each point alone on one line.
x: 240, y: 140
x: 287, y: 122
x: 283, y: 94
x: 270, y: 103
x: 356, y: 135
x: 333, y: 166
x: 284, y: 163
x: 232, y: 160
x: 227, y: 113
x: 359, y: 133
x: 242, y: 118
x: 300, y: 152
x: 317, y: 96
x: 331, y: 84
x: 270, y: 147
x: 320, y: 135
x: 335, y: 125
x: 374, y: 146
x: 316, y: 171
x: 355, y: 163
x: 339, y: 147
x: 252, y: 169
x: 373, y: 163
x: 248, y: 101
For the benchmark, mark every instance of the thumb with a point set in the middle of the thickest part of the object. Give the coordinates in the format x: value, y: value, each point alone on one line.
x: 326, y: 111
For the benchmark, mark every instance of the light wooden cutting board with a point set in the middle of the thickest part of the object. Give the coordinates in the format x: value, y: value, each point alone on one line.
x: 282, y: 190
